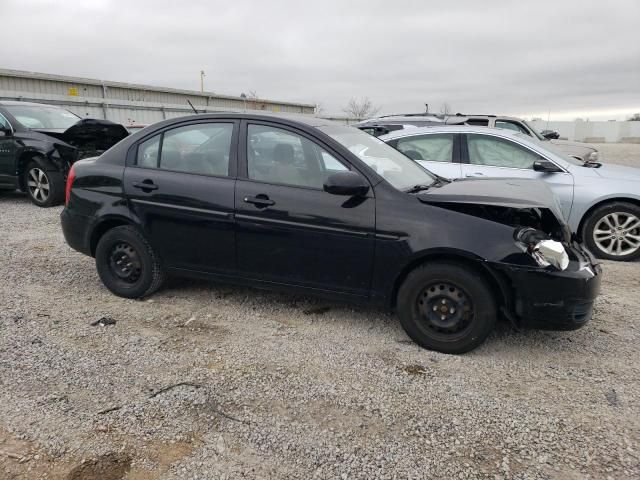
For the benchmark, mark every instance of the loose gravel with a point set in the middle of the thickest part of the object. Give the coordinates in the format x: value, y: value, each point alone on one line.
x: 207, y: 381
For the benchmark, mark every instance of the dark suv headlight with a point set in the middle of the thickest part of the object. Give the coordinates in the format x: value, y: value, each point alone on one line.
x: 542, y: 249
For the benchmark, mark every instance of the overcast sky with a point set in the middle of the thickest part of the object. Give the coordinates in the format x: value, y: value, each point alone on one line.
x: 576, y: 58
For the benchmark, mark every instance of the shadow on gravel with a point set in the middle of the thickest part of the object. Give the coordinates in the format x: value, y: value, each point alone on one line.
x: 14, y: 196
x: 112, y: 466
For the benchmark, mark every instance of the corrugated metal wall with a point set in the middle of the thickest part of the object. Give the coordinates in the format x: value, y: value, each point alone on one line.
x: 126, y: 103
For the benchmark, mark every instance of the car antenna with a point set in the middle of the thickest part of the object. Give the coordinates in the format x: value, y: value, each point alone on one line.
x: 192, y: 107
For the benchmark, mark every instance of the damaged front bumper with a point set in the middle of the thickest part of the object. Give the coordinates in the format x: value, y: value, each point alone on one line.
x: 553, y: 299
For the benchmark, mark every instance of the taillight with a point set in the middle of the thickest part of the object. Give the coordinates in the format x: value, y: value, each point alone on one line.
x: 67, y: 191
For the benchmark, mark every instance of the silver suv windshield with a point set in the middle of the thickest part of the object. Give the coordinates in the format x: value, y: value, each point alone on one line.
x: 400, y: 171
x: 535, y: 132
x: 32, y: 116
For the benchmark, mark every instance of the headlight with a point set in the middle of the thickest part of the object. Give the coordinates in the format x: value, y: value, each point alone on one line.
x: 543, y: 250
x: 593, y: 157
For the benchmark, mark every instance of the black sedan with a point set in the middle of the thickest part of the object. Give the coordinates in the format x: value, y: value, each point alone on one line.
x: 304, y: 204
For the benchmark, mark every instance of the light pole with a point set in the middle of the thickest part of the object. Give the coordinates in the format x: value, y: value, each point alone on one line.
x: 202, y: 75
x: 244, y: 98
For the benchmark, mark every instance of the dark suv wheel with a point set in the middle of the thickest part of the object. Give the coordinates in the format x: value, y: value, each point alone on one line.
x: 612, y: 231
x: 127, y: 264
x: 44, y: 185
x: 446, y: 307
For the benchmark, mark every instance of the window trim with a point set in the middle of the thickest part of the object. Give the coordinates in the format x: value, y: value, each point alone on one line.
x: 132, y: 153
x: 465, y: 148
x: 243, y: 153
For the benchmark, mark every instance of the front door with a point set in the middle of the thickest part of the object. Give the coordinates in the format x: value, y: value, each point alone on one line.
x: 7, y: 155
x: 437, y: 152
x: 491, y: 156
x: 181, y: 189
x: 289, y: 230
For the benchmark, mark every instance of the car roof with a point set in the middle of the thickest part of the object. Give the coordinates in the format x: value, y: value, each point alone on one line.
x: 28, y: 104
x: 410, y: 132
x: 399, y: 119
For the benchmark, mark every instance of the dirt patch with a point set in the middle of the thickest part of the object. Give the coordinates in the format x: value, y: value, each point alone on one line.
x: 112, y: 466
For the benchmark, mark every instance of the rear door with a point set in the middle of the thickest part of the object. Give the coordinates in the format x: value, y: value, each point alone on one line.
x: 290, y: 231
x: 437, y: 152
x: 491, y: 156
x: 181, y: 187
x: 7, y: 155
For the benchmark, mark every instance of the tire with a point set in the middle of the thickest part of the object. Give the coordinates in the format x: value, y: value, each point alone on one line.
x: 621, y: 218
x: 140, y: 272
x: 469, y: 307
x: 44, y: 185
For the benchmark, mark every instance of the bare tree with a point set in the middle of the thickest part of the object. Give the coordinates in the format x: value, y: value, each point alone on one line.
x: 445, y: 109
x: 252, y: 95
x: 318, y: 109
x: 361, y: 109
x: 634, y: 118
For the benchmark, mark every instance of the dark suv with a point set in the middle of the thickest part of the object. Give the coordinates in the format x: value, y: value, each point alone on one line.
x: 38, y: 144
x: 303, y: 204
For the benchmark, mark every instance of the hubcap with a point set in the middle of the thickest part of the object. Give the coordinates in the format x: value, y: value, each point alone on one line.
x: 618, y: 234
x: 124, y: 262
x: 445, y: 308
x: 38, y: 184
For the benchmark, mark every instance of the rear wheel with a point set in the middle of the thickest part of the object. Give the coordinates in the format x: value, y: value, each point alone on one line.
x: 44, y: 185
x: 446, y: 307
x: 612, y: 231
x: 127, y: 264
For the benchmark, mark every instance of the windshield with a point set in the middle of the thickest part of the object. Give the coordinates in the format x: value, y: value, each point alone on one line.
x: 31, y: 116
x: 535, y: 132
x: 400, y: 171
x: 551, y: 148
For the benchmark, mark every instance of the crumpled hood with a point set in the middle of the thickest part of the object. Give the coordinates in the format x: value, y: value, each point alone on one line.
x: 89, y: 135
x: 619, y: 172
x: 506, y: 192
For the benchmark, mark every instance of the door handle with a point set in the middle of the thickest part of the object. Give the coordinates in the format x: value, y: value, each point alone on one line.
x: 146, y: 185
x: 260, y: 200
x: 474, y: 174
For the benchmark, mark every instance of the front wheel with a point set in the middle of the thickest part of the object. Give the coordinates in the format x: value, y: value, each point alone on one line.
x: 445, y: 307
x: 127, y: 264
x: 612, y: 231
x: 44, y: 185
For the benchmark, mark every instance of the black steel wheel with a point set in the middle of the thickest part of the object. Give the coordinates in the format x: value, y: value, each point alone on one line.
x: 127, y: 264
x: 446, y: 307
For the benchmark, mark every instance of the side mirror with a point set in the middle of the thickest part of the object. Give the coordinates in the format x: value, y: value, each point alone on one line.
x: 346, y: 183
x: 545, y: 166
x: 550, y: 134
x: 5, y: 131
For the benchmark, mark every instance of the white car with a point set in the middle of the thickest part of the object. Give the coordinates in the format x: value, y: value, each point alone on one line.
x: 600, y: 202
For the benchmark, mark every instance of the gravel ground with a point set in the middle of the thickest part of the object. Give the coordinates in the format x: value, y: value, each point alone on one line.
x: 208, y: 381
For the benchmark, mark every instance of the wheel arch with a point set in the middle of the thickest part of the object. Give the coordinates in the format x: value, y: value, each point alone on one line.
x: 104, y: 226
x: 23, y: 160
x: 496, y: 283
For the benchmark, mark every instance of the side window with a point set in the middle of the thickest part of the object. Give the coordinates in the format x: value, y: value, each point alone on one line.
x: 432, y: 148
x: 4, y: 123
x: 511, y: 126
x: 275, y: 155
x: 148, y: 152
x: 201, y: 148
x: 497, y: 152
